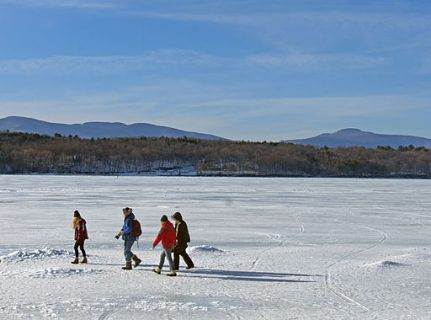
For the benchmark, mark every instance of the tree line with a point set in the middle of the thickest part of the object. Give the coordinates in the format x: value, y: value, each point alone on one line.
x: 22, y: 153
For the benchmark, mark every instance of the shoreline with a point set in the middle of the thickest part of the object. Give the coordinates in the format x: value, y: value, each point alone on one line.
x: 395, y: 177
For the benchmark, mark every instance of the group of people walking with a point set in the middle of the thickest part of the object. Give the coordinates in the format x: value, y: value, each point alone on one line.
x: 173, y: 238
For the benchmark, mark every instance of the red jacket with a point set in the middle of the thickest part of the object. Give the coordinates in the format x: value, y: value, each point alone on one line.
x: 81, y: 233
x: 166, y: 236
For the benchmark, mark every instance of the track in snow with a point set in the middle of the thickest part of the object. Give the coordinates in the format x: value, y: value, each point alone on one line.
x: 337, y: 290
x: 280, y: 242
x: 107, y: 314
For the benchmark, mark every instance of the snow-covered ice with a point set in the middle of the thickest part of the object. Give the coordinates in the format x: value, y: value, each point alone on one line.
x: 264, y: 248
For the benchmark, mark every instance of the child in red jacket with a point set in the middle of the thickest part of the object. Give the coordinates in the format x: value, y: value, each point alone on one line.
x: 80, y: 227
x: 168, y: 238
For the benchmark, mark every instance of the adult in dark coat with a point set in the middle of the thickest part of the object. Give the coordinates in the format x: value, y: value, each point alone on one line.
x: 183, y: 238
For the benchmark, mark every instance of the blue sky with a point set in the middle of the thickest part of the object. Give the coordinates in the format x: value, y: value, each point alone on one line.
x: 242, y: 69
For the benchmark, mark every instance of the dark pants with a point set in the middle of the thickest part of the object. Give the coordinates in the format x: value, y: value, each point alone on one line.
x: 180, y: 250
x: 80, y: 245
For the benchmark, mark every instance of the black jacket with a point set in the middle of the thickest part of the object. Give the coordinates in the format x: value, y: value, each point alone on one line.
x: 183, y: 236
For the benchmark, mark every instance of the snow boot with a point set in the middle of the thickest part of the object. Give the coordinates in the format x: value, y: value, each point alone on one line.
x: 157, y: 270
x: 172, y: 274
x: 84, y: 260
x: 128, y: 266
x: 136, y: 260
x: 76, y: 261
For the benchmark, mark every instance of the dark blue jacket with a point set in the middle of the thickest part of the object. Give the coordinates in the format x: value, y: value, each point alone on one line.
x: 127, y: 228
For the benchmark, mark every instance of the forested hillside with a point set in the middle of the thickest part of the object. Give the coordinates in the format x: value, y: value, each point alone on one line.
x: 27, y: 153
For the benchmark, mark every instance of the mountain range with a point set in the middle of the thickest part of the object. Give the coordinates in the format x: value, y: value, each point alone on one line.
x: 97, y: 129
x: 358, y: 138
x: 343, y: 138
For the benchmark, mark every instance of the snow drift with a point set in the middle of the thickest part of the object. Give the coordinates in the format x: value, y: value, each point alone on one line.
x: 37, y: 254
x: 386, y: 264
x: 390, y: 264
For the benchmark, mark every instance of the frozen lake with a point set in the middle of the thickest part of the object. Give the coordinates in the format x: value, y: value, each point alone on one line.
x: 287, y: 248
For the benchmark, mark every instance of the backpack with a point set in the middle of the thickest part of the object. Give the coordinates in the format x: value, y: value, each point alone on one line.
x: 136, y: 229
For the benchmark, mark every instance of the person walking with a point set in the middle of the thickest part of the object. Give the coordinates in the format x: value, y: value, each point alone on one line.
x: 80, y: 226
x: 183, y: 238
x: 130, y: 233
x: 167, y: 236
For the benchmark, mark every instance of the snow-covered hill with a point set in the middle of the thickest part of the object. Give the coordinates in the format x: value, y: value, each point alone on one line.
x: 97, y: 129
x: 356, y: 137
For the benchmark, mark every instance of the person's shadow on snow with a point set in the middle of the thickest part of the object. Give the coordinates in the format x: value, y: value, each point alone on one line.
x: 254, y: 276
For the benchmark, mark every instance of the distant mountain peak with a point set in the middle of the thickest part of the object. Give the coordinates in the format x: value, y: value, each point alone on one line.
x: 350, y: 131
x: 352, y: 137
x: 97, y: 129
x: 101, y: 122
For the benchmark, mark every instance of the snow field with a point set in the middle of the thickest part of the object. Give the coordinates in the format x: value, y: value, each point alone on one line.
x: 264, y: 248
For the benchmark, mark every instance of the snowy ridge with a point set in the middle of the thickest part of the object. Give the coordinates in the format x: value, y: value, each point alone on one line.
x: 37, y: 254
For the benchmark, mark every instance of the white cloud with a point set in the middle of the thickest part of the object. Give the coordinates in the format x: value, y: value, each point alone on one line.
x: 374, y: 30
x: 152, y: 61
x: 341, y: 106
x: 107, y: 64
x: 278, y: 18
x: 321, y: 61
